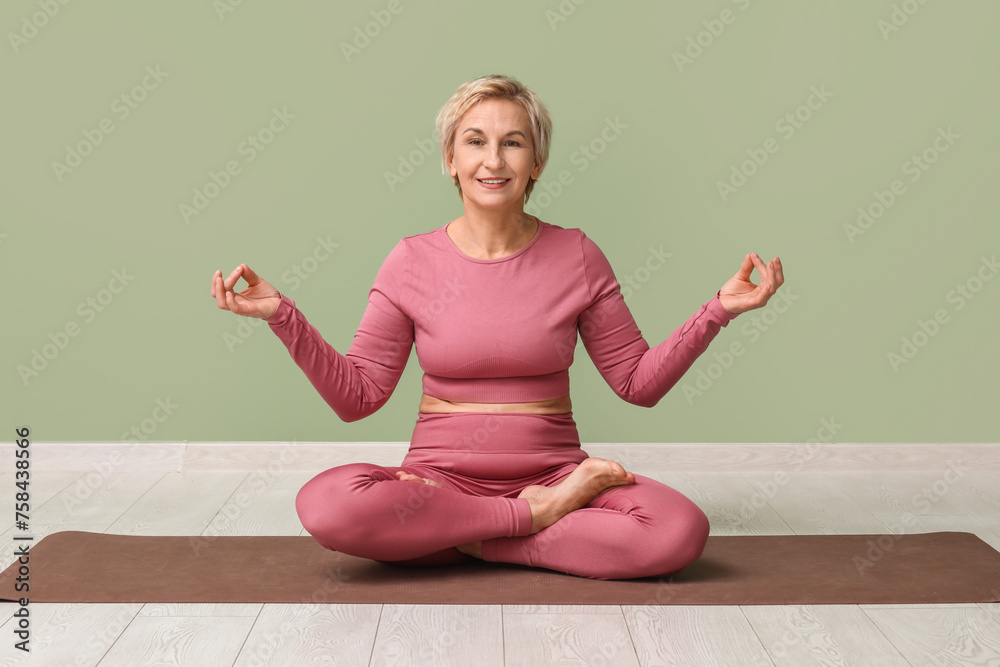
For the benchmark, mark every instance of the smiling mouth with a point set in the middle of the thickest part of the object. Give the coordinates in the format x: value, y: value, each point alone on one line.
x: 492, y: 181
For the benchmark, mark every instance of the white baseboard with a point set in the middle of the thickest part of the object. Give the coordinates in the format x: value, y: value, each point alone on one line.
x: 646, y: 457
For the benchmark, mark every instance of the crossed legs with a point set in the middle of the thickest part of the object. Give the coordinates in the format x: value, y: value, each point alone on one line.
x: 638, y: 530
x: 593, y: 525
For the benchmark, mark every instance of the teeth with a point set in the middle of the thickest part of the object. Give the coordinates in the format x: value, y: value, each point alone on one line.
x: 494, y: 180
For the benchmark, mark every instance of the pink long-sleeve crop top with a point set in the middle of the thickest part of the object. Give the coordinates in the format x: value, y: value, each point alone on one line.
x: 493, y: 330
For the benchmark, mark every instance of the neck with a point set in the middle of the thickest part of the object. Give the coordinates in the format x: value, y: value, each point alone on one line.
x: 496, y: 232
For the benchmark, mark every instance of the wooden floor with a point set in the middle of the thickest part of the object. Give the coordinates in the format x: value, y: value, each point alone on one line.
x: 219, y: 502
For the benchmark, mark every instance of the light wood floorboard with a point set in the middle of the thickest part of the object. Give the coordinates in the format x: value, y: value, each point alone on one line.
x: 822, y: 635
x: 813, y: 504
x: 44, y: 489
x: 438, y: 635
x: 263, y: 504
x: 568, y: 638
x: 199, y: 641
x: 920, y: 493
x: 958, y: 635
x: 733, y: 505
x: 161, y: 609
x: 694, y: 636
x: 96, y: 498
x: 70, y: 634
x: 179, y: 504
x: 292, y: 634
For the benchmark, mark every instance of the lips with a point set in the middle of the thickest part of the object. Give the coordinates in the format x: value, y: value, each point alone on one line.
x: 493, y: 181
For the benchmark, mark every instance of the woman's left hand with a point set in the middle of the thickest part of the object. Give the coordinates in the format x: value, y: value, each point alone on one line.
x: 410, y: 477
x: 739, y: 295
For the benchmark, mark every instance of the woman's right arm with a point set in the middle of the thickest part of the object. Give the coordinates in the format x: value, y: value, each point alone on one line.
x: 357, y: 383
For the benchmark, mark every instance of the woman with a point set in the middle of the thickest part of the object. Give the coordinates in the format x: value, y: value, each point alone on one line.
x: 493, y: 302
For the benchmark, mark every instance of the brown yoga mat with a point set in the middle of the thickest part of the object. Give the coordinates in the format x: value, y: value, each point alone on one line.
x: 77, y: 566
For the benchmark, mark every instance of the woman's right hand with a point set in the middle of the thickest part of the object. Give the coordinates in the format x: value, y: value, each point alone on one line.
x: 260, y: 299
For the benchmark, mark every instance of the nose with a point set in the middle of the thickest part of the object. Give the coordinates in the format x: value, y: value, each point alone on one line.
x: 493, y: 158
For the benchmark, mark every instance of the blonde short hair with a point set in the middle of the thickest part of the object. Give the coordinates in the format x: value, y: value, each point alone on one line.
x: 499, y: 87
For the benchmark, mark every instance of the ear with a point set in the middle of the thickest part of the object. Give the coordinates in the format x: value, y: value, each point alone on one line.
x: 452, y: 169
x: 537, y: 170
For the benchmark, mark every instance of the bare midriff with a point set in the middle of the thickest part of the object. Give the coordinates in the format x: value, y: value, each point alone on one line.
x: 555, y: 406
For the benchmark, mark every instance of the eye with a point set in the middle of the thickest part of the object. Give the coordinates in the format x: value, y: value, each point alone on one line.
x: 479, y: 142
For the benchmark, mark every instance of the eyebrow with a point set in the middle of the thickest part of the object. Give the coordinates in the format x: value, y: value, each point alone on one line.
x: 478, y: 131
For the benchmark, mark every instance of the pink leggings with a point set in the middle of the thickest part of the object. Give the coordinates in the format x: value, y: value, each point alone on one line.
x: 484, y: 461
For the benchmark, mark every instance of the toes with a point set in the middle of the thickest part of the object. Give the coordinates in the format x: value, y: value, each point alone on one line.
x: 618, y: 471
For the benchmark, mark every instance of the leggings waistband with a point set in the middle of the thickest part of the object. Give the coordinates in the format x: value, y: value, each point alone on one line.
x: 494, y: 445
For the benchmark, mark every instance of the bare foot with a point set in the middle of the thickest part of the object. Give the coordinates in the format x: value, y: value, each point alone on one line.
x: 474, y: 549
x: 551, y: 503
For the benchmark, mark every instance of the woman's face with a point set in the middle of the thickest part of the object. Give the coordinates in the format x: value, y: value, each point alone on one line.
x: 493, y: 142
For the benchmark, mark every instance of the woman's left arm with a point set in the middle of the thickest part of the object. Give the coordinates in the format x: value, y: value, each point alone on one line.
x: 642, y: 375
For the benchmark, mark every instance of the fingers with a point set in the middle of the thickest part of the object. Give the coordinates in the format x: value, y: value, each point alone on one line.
x: 747, y: 295
x: 746, y: 269
x: 231, y: 303
x: 771, y: 278
x: 249, y: 275
x: 222, y: 289
x: 775, y: 276
x: 234, y: 277
x: 219, y: 290
x: 761, y: 268
x: 779, y: 275
x: 410, y: 477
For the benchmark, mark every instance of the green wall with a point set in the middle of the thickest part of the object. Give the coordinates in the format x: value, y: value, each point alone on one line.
x: 160, y: 95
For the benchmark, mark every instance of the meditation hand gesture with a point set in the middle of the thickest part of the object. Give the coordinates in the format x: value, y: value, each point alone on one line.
x: 739, y: 295
x: 260, y: 299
